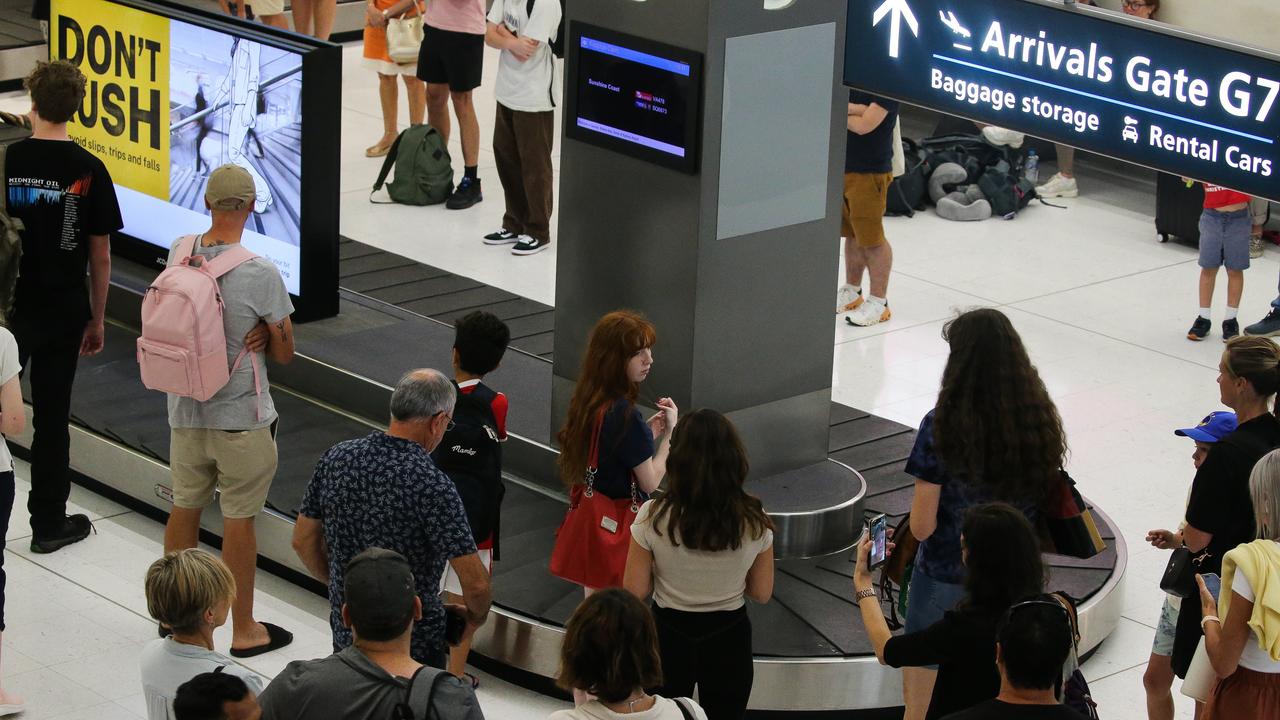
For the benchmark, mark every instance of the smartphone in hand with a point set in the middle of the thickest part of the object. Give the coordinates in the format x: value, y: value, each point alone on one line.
x: 455, y: 626
x: 1213, y: 583
x: 878, y: 527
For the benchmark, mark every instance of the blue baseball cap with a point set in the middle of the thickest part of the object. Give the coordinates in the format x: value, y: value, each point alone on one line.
x: 1214, y: 427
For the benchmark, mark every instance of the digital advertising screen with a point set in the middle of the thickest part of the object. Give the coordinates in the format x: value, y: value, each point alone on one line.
x: 1090, y: 78
x: 173, y: 96
x: 635, y: 96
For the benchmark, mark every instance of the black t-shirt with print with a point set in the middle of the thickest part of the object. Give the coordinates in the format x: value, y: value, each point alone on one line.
x: 62, y: 194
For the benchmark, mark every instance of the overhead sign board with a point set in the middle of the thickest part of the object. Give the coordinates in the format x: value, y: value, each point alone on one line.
x: 1081, y: 76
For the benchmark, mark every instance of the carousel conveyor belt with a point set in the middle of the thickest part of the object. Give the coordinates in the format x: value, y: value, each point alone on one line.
x: 810, y: 616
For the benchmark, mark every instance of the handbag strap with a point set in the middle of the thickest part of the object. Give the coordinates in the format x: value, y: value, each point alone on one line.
x: 684, y: 711
x: 593, y: 455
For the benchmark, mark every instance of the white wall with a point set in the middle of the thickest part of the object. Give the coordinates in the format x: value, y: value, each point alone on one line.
x: 1253, y: 22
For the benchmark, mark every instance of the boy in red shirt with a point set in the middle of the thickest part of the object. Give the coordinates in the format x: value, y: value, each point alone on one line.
x: 1225, y: 225
x: 470, y: 452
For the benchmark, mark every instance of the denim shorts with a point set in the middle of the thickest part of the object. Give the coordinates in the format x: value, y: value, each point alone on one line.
x: 1224, y: 239
x: 1166, y: 628
x: 929, y: 599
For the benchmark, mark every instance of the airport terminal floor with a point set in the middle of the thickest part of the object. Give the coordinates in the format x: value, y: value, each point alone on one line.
x: 1102, y: 306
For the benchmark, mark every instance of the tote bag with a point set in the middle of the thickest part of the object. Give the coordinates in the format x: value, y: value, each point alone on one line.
x: 404, y: 38
x: 593, y: 540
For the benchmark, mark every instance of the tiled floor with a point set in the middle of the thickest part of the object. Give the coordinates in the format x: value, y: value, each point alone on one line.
x: 1101, y: 305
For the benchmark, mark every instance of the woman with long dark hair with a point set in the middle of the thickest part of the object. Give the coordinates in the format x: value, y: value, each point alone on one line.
x: 1002, y: 565
x: 603, y: 415
x: 701, y: 548
x: 994, y: 435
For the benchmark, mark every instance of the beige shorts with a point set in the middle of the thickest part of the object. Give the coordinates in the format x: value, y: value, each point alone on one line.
x: 241, y: 465
x: 450, y: 583
x: 267, y: 7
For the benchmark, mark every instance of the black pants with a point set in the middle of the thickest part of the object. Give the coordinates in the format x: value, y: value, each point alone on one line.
x: 710, y: 650
x: 48, y: 355
x: 6, y: 509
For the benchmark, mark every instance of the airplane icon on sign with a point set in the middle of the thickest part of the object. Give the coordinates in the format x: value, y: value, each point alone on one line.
x: 949, y: 19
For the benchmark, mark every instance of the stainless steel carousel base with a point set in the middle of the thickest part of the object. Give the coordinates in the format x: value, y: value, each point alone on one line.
x: 523, y: 643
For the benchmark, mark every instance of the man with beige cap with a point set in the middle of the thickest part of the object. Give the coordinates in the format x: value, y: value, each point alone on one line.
x: 227, y: 442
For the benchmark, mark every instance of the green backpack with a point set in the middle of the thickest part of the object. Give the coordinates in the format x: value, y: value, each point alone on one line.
x: 424, y: 172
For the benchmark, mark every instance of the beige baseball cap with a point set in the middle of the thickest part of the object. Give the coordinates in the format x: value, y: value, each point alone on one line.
x: 230, y: 188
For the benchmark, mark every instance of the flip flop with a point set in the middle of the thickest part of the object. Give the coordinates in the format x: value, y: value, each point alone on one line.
x: 377, y: 150
x: 279, y: 638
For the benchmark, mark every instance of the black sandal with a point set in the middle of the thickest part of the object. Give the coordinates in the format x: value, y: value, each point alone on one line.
x: 279, y: 638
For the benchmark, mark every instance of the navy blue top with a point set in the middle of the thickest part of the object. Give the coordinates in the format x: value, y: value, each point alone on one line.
x: 383, y: 491
x: 939, y: 554
x: 625, y: 442
x: 873, y: 152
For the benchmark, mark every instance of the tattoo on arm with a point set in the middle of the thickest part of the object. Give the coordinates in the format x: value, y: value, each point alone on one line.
x: 284, y: 335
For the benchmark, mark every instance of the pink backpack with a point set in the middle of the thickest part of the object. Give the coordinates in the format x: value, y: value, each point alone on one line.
x: 183, y: 348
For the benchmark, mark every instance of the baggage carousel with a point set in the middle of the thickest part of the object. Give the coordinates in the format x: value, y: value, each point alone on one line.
x: 811, y: 652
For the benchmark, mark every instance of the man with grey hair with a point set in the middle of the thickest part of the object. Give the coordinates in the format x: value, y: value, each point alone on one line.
x: 383, y: 490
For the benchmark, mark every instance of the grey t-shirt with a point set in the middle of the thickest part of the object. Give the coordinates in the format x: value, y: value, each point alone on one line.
x: 251, y: 292
x: 166, y: 664
x: 350, y: 686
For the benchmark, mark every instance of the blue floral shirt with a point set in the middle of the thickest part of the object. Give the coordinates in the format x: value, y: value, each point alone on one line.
x: 939, y: 555
x: 382, y: 491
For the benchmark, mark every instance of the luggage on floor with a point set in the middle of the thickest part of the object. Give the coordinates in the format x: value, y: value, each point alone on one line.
x: 1178, y: 208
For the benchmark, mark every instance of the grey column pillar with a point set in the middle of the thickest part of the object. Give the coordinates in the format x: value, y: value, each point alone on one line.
x: 737, y: 264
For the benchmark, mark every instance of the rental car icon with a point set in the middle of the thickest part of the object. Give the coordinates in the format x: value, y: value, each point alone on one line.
x: 1130, y: 131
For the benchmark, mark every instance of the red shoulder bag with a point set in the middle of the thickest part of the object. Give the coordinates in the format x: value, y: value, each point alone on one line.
x: 593, y: 540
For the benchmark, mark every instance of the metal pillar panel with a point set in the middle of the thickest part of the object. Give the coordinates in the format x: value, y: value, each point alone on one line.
x: 744, y: 322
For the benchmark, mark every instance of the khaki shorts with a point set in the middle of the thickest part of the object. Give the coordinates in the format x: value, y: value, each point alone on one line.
x: 239, y: 464
x: 267, y: 7
x: 862, y: 213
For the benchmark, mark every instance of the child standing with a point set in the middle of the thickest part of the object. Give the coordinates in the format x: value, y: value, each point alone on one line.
x: 1225, y: 225
x: 1158, y: 679
x: 524, y: 129
x: 470, y: 453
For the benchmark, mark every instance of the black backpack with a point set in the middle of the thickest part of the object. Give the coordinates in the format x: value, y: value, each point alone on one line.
x: 471, y: 455
x: 1006, y: 192
x: 971, y: 152
x: 908, y: 191
x: 557, y: 42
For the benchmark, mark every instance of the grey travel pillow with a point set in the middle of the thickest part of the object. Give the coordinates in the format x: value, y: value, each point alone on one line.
x: 945, y: 174
x: 965, y: 204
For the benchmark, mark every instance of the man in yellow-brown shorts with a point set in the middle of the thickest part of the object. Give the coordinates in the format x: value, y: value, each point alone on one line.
x: 868, y: 169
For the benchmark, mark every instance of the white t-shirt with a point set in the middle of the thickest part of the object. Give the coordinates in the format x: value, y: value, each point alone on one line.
x: 530, y: 86
x: 9, y: 369
x: 663, y: 709
x: 1253, y: 657
x: 696, y: 580
x: 166, y: 664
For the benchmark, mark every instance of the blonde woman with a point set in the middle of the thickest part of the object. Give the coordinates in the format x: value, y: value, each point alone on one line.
x: 1242, y: 635
x: 189, y: 592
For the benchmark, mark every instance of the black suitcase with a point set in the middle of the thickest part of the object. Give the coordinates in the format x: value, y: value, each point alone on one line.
x: 1178, y: 208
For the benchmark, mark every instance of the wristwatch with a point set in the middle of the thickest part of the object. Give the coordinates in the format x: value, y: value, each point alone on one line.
x: 863, y: 594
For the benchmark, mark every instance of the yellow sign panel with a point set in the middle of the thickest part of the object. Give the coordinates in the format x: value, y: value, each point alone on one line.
x: 124, y: 118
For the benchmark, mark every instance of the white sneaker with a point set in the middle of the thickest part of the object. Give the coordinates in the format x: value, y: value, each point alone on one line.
x: 847, y: 298
x: 869, y: 313
x: 1003, y: 136
x: 1255, y: 246
x: 1059, y: 186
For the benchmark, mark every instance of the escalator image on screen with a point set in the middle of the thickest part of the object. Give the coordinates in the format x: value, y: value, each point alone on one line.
x: 635, y: 96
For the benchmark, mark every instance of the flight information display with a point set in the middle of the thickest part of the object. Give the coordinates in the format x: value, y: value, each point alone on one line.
x: 635, y: 96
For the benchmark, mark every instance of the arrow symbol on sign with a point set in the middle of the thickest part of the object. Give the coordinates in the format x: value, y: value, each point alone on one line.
x: 901, y: 11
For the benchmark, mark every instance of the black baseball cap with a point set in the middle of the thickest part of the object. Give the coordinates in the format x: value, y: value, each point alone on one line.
x: 379, y: 590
